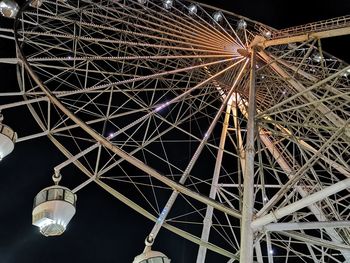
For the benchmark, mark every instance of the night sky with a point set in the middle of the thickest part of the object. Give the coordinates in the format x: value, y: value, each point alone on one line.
x: 104, y: 229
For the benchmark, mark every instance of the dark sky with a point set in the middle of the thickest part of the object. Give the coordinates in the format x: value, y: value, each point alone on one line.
x: 104, y: 229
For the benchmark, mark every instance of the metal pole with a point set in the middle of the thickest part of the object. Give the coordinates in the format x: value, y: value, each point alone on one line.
x: 306, y: 36
x: 304, y: 202
x: 246, y: 251
x: 306, y: 225
x: 344, y: 248
x: 314, y: 208
x: 269, y: 247
x: 207, y: 222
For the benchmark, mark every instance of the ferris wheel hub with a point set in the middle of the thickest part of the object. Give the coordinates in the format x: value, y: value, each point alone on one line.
x: 243, y: 52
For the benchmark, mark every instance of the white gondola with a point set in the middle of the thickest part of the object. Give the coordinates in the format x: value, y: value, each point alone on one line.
x: 54, y: 207
x: 7, y: 140
x: 150, y: 256
x: 9, y: 8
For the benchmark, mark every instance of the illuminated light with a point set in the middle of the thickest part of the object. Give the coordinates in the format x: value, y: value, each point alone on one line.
x: 159, y: 108
x: 142, y: 2
x: 218, y: 16
x: 235, y: 97
x: 241, y: 24
x: 44, y: 222
x: 346, y: 73
x: 265, y: 198
x: 162, y: 215
x: 162, y: 106
x: 271, y: 251
x: 36, y: 3
x: 262, y: 76
x: 284, y: 92
x: 192, y: 9
x: 267, y: 34
x: 168, y: 4
x: 9, y: 8
x: 206, y: 135
x: 317, y: 58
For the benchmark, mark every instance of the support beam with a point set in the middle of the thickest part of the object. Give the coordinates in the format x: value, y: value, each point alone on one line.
x: 207, y: 222
x: 316, y: 241
x: 314, y: 208
x: 306, y: 37
x: 247, y: 249
x: 306, y: 92
x: 9, y: 60
x: 269, y: 248
x: 258, y: 252
x: 306, y: 225
x: 304, y: 202
x: 295, y: 177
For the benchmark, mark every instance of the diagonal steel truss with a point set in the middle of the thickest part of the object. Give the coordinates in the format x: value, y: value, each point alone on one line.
x: 232, y: 135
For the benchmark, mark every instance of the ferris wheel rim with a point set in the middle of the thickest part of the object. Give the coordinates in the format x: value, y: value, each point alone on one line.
x: 27, y: 65
x: 99, y: 138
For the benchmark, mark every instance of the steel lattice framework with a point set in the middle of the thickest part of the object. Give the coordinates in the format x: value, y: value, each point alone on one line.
x: 225, y: 131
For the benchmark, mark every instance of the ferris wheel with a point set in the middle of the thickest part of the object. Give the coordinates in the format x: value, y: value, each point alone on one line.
x: 220, y: 129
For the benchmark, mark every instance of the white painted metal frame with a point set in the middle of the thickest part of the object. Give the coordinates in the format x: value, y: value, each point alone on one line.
x: 117, y: 86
